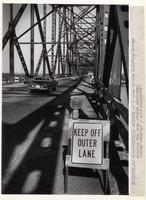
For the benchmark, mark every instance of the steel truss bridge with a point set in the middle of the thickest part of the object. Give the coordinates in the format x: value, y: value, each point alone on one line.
x: 74, y: 38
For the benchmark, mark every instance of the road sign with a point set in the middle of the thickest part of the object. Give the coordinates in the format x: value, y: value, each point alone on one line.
x: 87, y: 143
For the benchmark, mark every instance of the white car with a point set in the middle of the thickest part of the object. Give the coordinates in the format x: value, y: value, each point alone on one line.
x: 92, y: 80
x: 74, y: 78
x: 16, y: 79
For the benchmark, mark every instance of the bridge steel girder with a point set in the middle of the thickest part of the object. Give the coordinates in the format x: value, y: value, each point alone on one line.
x: 67, y: 40
x: 84, y: 38
x: 44, y: 30
x: 62, y: 43
x: 63, y: 59
x: 42, y: 37
x: 110, y: 47
x: 121, y: 19
x: 116, y: 69
x: 43, y: 52
x: 32, y: 41
x: 11, y: 45
x: 63, y: 56
x: 12, y: 25
x: 10, y: 34
x: 60, y: 65
x: 58, y: 51
x: 40, y: 61
x: 112, y: 54
x: 70, y: 25
x: 20, y: 53
x: 53, y: 37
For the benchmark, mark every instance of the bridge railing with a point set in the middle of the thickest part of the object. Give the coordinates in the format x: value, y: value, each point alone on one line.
x: 118, y: 112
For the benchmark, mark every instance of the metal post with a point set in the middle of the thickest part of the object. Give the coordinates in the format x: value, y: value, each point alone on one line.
x: 123, y: 40
x: 63, y: 59
x: 67, y: 167
x: 96, y: 42
x: 58, y: 56
x: 67, y: 39
x: 32, y: 41
x: 42, y: 37
x: 53, y: 37
x: 59, y: 41
x: 101, y: 41
x: 44, y: 31
x: 106, y: 179
x: 11, y: 44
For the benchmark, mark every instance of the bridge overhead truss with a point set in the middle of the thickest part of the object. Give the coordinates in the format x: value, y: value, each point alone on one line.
x: 71, y: 39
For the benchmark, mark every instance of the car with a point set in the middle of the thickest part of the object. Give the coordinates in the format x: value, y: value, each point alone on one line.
x: 28, y: 78
x: 11, y: 79
x: 74, y: 78
x: 40, y: 83
x: 22, y: 77
x: 4, y: 79
x: 92, y: 81
x: 16, y: 79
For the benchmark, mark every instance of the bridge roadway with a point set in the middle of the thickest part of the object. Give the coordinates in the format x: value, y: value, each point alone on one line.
x: 34, y: 137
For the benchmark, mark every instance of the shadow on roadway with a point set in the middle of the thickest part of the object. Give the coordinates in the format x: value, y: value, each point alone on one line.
x: 38, y: 158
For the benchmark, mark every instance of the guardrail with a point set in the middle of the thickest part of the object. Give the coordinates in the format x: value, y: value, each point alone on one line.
x: 117, y: 110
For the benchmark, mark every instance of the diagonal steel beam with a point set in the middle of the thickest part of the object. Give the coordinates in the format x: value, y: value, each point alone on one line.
x: 71, y: 26
x: 80, y: 7
x: 74, y: 25
x: 38, y: 22
x: 76, y: 15
x: 12, y: 25
x: 21, y: 55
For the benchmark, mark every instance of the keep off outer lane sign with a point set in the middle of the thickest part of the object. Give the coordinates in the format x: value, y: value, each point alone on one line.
x: 87, y: 143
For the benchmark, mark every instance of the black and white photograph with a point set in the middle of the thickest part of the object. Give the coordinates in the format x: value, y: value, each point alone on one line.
x: 65, y: 99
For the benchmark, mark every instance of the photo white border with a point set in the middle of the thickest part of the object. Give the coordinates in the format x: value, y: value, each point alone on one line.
x: 127, y: 197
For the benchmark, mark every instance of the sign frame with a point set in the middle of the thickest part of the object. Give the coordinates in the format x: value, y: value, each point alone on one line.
x: 105, y: 162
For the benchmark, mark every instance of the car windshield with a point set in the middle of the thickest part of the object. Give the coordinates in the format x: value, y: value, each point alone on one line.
x: 38, y: 79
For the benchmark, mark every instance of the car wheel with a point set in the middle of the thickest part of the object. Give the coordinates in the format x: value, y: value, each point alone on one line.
x: 50, y: 89
x: 56, y: 86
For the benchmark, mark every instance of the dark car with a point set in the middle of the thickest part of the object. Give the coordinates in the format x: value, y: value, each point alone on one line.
x: 22, y: 78
x: 74, y: 78
x: 28, y: 78
x: 43, y: 84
